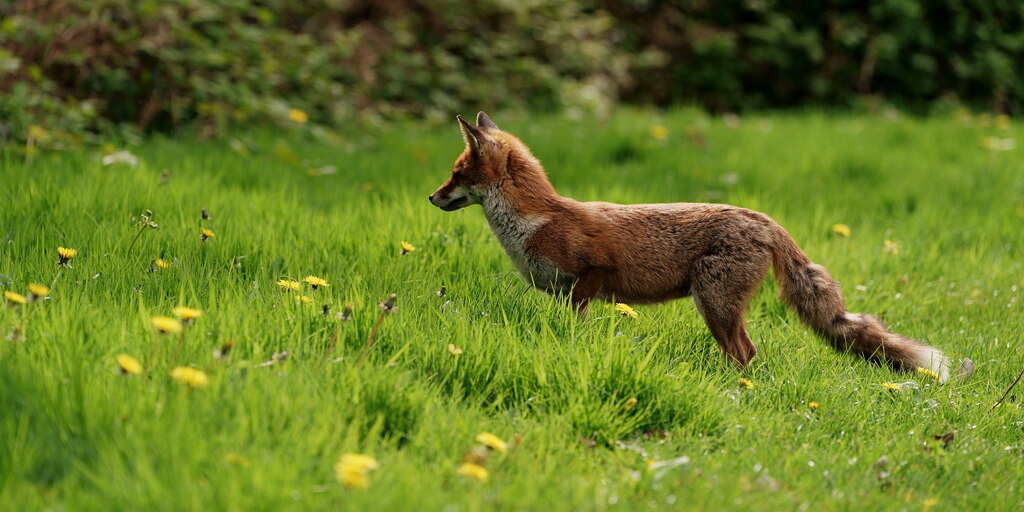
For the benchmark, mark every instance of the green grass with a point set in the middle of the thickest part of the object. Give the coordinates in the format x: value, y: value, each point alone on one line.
x: 78, y: 435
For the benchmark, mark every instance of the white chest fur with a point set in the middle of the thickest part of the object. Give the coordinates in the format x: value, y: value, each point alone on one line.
x: 513, y: 230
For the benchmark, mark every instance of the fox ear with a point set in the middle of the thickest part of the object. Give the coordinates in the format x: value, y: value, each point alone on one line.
x: 475, y: 138
x: 484, y: 121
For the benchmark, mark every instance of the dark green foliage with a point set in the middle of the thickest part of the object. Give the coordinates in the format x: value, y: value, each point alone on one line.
x: 754, y: 53
x: 78, y: 66
x: 156, y: 64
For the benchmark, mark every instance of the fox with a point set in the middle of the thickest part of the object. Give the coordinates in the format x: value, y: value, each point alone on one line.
x: 647, y: 253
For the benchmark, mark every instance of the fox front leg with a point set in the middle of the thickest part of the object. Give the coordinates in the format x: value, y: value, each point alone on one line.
x: 586, y: 287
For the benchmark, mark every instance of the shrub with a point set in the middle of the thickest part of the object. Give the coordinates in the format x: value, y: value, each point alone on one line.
x: 76, y: 67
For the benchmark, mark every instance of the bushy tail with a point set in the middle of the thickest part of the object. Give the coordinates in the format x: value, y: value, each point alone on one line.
x: 811, y: 291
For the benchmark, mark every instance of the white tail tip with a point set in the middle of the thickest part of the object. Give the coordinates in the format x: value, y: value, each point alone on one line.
x: 935, y: 361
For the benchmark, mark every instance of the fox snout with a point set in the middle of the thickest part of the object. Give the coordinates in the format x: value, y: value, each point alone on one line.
x: 436, y: 201
x: 449, y: 197
x: 448, y: 203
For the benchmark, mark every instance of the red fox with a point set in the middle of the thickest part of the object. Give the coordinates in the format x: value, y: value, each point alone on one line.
x: 645, y: 253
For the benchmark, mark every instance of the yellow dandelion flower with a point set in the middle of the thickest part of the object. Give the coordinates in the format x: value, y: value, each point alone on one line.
x: 474, y: 471
x: 161, y: 263
x: 492, y: 441
x: 14, y: 298
x: 841, y: 229
x: 631, y: 403
x: 191, y: 377
x: 286, y: 285
x: 353, y: 479
x: 303, y: 299
x: 38, y: 133
x: 358, y: 461
x: 658, y: 132
x: 38, y: 290
x: 890, y: 247
x: 1003, y: 122
x: 298, y: 116
x: 186, y: 313
x: 315, y: 282
x: 927, y: 373
x: 453, y: 350
x: 407, y: 248
x: 129, y: 364
x: 745, y: 383
x: 239, y: 460
x: 998, y: 144
x: 625, y: 310
x: 813, y: 405
x: 352, y: 469
x: 167, y: 324
x: 206, y: 234
x: 891, y: 386
x: 65, y: 255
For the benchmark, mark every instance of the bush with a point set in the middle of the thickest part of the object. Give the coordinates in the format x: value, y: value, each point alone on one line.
x: 159, y: 64
x: 82, y: 66
x: 736, y: 54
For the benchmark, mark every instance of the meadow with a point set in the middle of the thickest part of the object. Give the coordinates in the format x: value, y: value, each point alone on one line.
x: 919, y: 219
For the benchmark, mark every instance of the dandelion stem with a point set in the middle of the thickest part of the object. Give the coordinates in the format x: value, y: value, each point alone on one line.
x: 330, y: 346
x: 369, y: 341
x: 56, y: 277
x: 1000, y: 402
x: 177, y: 348
x: 24, y: 320
x: 137, y: 235
x: 151, y: 361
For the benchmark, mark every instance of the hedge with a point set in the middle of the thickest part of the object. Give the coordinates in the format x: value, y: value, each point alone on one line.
x: 76, y: 67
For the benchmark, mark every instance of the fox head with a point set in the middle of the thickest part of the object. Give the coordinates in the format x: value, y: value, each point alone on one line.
x: 481, y: 165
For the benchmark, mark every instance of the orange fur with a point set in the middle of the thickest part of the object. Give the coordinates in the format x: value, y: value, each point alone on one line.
x: 640, y: 253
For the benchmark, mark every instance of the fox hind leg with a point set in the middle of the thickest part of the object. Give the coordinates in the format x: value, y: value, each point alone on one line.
x: 722, y: 288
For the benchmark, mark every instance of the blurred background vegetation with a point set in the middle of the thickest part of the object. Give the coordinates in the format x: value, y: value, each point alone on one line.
x: 70, y: 69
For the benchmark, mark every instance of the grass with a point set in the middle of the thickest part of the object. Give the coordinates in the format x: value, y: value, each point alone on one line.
x: 80, y: 435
